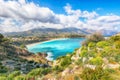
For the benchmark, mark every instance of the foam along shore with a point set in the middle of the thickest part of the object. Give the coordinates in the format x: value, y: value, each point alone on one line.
x: 33, y: 44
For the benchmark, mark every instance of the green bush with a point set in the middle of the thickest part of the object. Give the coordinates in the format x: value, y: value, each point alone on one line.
x: 115, y: 38
x: 35, y: 72
x: 98, y: 74
x: 38, y: 72
x: 103, y: 44
x: 12, y: 75
x: 95, y: 37
x: 20, y: 77
x: 58, y: 68
x: 117, y: 44
x: 96, y: 61
x: 3, y: 69
x: 91, y: 44
x: 84, y: 53
x: 2, y: 78
x: 65, y: 61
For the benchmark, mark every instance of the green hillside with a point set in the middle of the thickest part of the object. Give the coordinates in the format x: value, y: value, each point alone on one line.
x: 13, y: 58
x: 97, y: 59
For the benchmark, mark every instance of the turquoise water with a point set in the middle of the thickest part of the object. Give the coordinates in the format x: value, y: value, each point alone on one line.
x: 56, y: 48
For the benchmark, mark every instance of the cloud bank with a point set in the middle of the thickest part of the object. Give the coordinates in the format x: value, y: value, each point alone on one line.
x: 19, y: 15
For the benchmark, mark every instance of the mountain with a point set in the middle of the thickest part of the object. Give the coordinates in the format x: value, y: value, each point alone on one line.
x: 55, y: 32
x: 108, y: 32
x: 47, y: 31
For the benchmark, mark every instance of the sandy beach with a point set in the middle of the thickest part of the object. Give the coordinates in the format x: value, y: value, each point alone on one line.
x: 33, y: 44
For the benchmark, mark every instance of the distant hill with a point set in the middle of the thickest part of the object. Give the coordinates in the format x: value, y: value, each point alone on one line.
x: 48, y: 31
x: 108, y: 32
x: 56, y: 32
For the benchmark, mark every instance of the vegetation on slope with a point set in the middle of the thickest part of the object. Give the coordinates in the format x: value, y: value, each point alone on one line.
x: 97, y: 59
x: 13, y: 58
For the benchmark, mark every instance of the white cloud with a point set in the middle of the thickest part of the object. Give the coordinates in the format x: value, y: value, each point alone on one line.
x: 20, y: 16
x: 26, y: 11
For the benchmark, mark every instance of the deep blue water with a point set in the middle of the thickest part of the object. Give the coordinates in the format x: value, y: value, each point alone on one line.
x: 56, y: 48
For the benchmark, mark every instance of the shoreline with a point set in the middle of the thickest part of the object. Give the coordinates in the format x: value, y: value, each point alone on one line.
x: 33, y: 44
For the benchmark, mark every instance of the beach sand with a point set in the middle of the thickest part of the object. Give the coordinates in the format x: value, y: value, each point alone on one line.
x: 33, y: 44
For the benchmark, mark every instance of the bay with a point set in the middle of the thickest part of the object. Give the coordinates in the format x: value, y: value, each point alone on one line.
x: 57, y: 48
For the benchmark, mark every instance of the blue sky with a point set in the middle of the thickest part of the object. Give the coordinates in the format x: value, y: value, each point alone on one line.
x: 101, y: 6
x: 22, y: 15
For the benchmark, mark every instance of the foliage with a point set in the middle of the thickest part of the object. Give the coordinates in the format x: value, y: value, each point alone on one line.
x: 2, y: 78
x: 91, y: 44
x: 22, y: 46
x: 58, y: 68
x: 3, y: 69
x: 39, y: 72
x: 94, y: 52
x: 65, y: 61
x: 1, y: 38
x: 117, y: 44
x: 96, y: 37
x: 103, y: 44
x: 20, y: 77
x: 96, y: 61
x: 115, y: 38
x: 98, y: 74
x: 84, y: 53
x: 13, y: 75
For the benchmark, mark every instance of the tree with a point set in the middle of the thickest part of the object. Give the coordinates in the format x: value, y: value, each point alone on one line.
x: 1, y: 38
x: 95, y: 37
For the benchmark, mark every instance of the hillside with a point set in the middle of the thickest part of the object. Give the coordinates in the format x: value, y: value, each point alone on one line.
x: 97, y: 59
x: 13, y: 58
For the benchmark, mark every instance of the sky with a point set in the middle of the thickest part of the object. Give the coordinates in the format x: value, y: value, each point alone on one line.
x: 22, y: 15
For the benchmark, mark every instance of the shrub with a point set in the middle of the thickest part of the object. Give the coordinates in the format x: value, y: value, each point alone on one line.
x: 91, y: 44
x: 84, y: 53
x: 2, y: 78
x: 35, y: 72
x: 117, y: 44
x: 13, y: 75
x: 1, y: 38
x: 58, y: 68
x: 95, y: 37
x: 21, y: 77
x: 65, y: 61
x: 96, y: 61
x: 22, y: 46
x: 115, y: 38
x: 103, y: 44
x: 98, y: 74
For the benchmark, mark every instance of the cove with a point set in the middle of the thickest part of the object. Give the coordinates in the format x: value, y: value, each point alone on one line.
x: 57, y: 48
